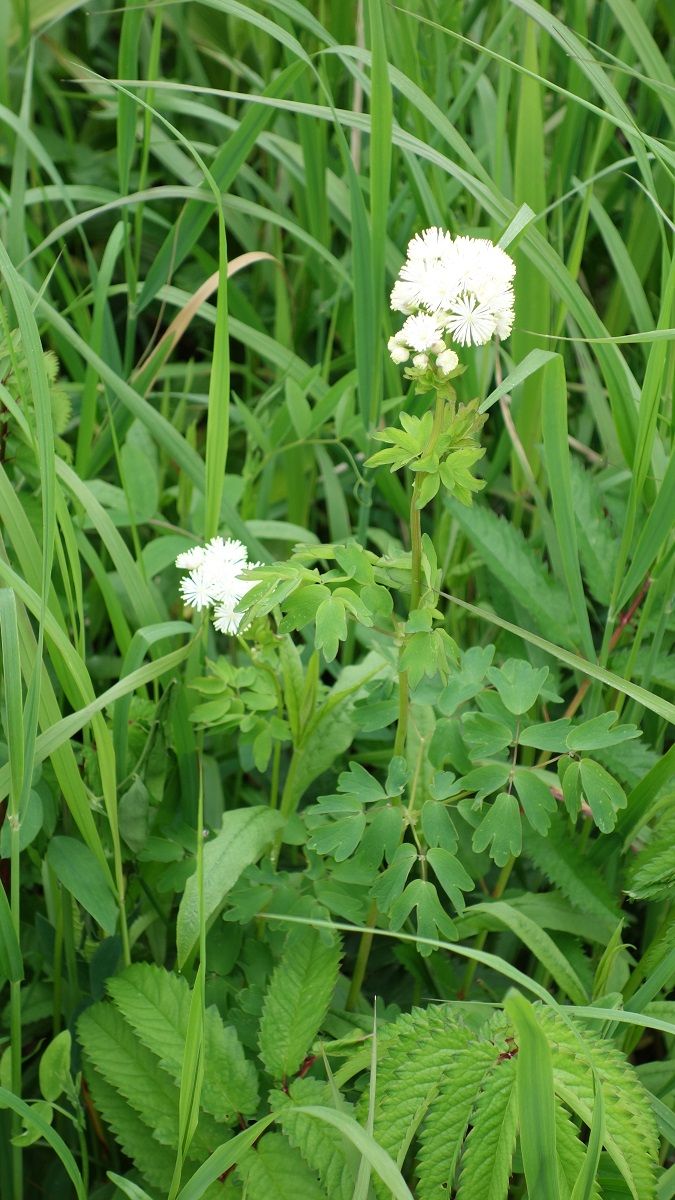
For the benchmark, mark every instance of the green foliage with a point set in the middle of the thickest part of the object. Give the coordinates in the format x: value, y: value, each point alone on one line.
x: 156, y: 1005
x: 296, y: 1000
x: 457, y: 1098
x: 652, y: 872
x: 276, y: 1168
x: 323, y: 1148
x: 444, y: 720
x: 442, y: 449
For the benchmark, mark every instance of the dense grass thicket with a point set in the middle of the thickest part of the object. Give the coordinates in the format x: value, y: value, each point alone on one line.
x: 371, y: 895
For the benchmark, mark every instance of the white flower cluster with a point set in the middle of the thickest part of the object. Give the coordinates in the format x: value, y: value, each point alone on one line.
x: 462, y: 287
x: 214, y: 580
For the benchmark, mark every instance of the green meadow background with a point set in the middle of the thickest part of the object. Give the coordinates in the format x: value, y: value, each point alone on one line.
x: 148, y: 150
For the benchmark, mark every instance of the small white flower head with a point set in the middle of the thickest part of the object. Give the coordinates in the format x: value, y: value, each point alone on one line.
x: 464, y: 284
x: 214, y: 580
x: 421, y: 332
x: 220, y: 553
x: 421, y: 361
x: 469, y: 322
x: 399, y: 353
x: 225, y: 616
x: 447, y: 361
x: 404, y: 297
x: 196, y: 589
x: 432, y: 244
x: 190, y: 559
x: 225, y: 619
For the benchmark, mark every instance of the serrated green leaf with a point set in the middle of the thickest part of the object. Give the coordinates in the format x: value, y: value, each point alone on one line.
x: 296, y: 1000
x: 275, y: 1168
x: 156, y: 1003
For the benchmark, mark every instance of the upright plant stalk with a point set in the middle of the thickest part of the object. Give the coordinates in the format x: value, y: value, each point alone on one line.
x: 415, y: 529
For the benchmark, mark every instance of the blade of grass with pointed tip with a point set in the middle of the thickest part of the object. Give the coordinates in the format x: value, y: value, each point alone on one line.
x: 380, y: 174
x: 646, y: 441
x: 532, y: 291
x: 536, y: 1100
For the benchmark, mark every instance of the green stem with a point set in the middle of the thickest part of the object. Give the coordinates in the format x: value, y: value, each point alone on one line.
x: 274, y: 785
x: 415, y: 546
x: 403, y: 711
x: 362, y: 957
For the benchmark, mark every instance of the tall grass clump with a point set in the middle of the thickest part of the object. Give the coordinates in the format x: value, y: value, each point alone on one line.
x: 337, y: 801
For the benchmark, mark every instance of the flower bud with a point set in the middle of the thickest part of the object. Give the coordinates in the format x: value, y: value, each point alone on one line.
x: 447, y: 361
x: 399, y: 353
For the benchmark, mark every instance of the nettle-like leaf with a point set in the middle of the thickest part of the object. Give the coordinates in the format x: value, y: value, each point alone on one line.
x: 156, y: 1004
x: 297, y: 999
x: 323, y: 1147
x: 135, y: 1089
x: 557, y: 858
x: 596, y: 535
x: 651, y: 875
x: 417, y: 1055
x: 276, y: 1168
x: 488, y: 1156
x: 134, y: 1134
x: 447, y: 1103
x: 519, y: 568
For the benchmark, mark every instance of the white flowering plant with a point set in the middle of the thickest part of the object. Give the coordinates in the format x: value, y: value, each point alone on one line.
x: 294, y: 696
x: 452, y: 290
